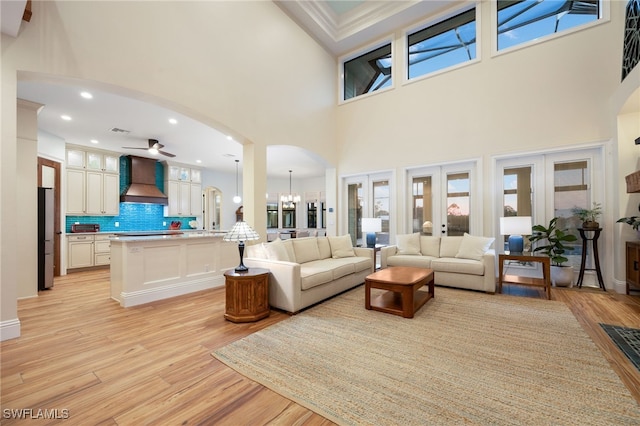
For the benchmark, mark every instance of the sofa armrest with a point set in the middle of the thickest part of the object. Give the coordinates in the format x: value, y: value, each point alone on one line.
x: 385, y: 252
x: 284, y: 282
x: 368, y: 253
x: 489, y: 261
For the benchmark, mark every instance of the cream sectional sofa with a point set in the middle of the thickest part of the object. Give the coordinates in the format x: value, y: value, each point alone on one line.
x: 308, y: 270
x: 464, y: 262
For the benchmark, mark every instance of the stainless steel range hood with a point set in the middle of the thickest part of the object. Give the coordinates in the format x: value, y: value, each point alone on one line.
x: 142, y: 182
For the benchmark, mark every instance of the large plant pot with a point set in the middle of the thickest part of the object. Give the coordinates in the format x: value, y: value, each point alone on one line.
x: 562, y: 276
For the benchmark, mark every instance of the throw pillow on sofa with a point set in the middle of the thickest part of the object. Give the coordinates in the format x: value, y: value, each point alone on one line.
x: 341, y: 246
x: 408, y: 244
x: 430, y: 246
x: 276, y: 250
x: 306, y: 249
x: 473, y: 247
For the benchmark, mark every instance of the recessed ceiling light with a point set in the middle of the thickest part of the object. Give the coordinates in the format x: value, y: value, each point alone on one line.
x: 230, y: 138
x: 173, y: 121
x: 198, y: 161
x: 65, y: 117
x: 86, y: 95
x: 94, y: 141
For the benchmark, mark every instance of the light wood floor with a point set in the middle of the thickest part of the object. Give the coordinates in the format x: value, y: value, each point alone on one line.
x: 80, y: 351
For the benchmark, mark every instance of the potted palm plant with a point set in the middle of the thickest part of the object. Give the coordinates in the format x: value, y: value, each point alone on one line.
x: 552, y: 242
x: 589, y: 217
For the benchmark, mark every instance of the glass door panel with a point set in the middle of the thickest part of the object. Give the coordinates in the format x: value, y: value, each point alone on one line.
x: 422, y: 205
x: 517, y: 196
x: 458, y: 191
x: 381, y: 208
x: 354, y: 211
x: 571, y: 183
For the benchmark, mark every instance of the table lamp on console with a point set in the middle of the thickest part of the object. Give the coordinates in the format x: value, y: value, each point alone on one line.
x: 370, y: 226
x: 241, y: 232
x: 515, y: 227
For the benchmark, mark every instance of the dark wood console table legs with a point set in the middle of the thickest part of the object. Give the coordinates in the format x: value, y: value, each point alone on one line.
x: 596, y: 257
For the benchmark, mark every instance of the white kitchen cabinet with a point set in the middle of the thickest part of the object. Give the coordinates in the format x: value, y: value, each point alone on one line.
x: 93, y: 183
x: 183, y: 192
x: 103, y: 162
x: 85, y: 250
x: 184, y: 199
x: 102, y: 249
x: 76, y: 191
x: 76, y: 158
x: 195, y: 176
x: 103, y: 196
x: 80, y: 251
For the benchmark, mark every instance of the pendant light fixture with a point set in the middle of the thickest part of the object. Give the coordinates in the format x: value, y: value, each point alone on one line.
x: 236, y: 198
x: 289, y: 201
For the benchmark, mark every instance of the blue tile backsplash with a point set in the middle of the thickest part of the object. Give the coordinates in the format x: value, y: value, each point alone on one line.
x: 133, y: 216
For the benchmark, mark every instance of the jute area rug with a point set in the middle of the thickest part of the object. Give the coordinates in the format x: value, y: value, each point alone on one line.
x: 465, y: 358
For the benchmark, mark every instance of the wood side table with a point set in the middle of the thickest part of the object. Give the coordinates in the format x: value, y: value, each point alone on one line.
x: 545, y: 281
x: 246, y: 295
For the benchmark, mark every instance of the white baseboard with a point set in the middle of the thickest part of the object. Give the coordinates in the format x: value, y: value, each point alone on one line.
x: 619, y: 287
x: 151, y: 295
x: 9, y: 329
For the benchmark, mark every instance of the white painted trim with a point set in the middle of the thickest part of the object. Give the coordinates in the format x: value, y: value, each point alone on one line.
x: 165, y: 292
x: 619, y: 287
x: 9, y: 329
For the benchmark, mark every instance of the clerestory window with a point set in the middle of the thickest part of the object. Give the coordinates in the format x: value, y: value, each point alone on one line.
x: 527, y: 20
x: 442, y: 45
x: 367, y: 73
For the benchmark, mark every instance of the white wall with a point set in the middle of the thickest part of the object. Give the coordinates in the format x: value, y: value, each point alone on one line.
x: 27, y: 184
x: 242, y: 67
x: 556, y: 94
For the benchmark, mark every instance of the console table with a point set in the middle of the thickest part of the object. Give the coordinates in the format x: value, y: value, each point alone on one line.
x: 246, y: 295
x: 593, y: 236
x: 545, y: 281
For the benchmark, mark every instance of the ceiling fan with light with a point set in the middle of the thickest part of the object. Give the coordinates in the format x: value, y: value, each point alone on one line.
x: 154, y: 148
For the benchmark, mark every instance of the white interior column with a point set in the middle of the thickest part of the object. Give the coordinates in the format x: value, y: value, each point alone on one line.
x: 254, y: 187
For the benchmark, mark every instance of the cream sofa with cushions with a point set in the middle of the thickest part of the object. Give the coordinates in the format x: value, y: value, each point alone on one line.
x: 465, y: 262
x: 308, y: 270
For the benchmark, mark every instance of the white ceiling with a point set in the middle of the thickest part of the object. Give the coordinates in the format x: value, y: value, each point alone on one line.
x: 338, y: 25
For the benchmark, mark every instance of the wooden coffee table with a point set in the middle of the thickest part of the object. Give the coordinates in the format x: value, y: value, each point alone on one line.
x: 402, y: 296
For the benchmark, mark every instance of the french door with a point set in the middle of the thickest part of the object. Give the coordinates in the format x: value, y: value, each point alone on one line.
x: 550, y: 185
x: 443, y: 200
x: 368, y: 196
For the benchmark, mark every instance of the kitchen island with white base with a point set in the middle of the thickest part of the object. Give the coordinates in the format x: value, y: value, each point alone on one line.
x: 145, y: 268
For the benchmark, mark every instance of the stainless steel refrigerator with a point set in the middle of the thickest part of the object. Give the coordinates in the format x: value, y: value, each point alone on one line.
x: 45, y: 238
